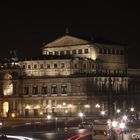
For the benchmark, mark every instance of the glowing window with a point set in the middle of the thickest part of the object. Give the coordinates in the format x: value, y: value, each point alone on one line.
x: 5, y: 108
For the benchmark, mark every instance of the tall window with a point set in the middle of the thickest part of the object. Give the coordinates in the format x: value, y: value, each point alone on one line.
x: 64, y: 89
x: 117, y: 51
x: 80, y: 51
x: 35, y: 112
x: 113, y: 51
x: 35, y: 90
x: 27, y: 112
x: 121, y: 52
x: 73, y: 51
x: 85, y: 66
x: 26, y: 90
x: 86, y: 51
x: 67, y: 52
x: 100, y: 50
x: 23, y: 66
x: 50, y: 53
x: 62, y: 65
x: 44, y: 89
x: 48, y: 66
x: 55, y: 65
x: 61, y: 52
x: 29, y: 66
x: 109, y: 51
x: 35, y: 66
x: 105, y: 51
x: 76, y: 66
x: 55, y: 53
x: 41, y: 66
x: 54, y: 89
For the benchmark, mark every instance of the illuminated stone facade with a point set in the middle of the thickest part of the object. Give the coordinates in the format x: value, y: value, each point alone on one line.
x: 72, y: 75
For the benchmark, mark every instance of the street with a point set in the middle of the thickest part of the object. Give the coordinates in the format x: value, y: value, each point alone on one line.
x: 51, y: 131
x: 72, y: 134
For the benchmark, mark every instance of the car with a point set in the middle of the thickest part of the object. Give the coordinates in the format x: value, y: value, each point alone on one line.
x: 100, y: 130
x: 85, y: 125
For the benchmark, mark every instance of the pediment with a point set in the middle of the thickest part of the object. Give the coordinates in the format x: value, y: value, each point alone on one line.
x: 67, y: 40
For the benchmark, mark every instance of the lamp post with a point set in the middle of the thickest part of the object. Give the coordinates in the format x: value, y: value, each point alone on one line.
x: 41, y: 115
x: 13, y: 115
x: 122, y: 126
x: 70, y: 107
x: 118, y: 111
x: 132, y: 109
x: 56, y: 123
x: 48, y: 117
x: 110, y: 99
x: 66, y: 112
x: 102, y: 113
x: 124, y: 118
x: 81, y: 115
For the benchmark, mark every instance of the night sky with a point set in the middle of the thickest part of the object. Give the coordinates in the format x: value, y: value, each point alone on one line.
x: 25, y: 26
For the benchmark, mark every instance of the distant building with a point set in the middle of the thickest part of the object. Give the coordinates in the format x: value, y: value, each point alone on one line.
x: 72, y: 75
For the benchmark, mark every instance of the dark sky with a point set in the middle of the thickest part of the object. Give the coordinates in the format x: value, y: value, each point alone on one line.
x: 25, y: 26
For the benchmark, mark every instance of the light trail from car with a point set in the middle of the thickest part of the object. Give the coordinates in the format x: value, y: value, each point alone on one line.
x: 19, y: 137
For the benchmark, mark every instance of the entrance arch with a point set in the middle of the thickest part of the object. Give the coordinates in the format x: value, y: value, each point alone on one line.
x: 5, y: 109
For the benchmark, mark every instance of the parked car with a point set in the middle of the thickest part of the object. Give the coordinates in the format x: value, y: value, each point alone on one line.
x: 85, y: 125
x: 100, y: 130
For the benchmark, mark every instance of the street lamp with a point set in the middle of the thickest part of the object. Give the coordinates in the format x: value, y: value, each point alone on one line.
x: 13, y: 115
x: 48, y: 117
x: 70, y: 107
x: 56, y: 122
x: 114, y: 124
x: 66, y: 112
x: 41, y: 115
x: 132, y: 109
x: 103, y: 113
x: 124, y: 117
x: 122, y: 126
x: 118, y: 111
x: 81, y: 115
